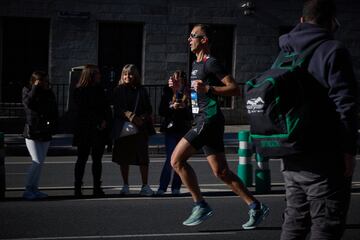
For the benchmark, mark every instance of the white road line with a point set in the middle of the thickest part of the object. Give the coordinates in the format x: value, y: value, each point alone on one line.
x: 152, y: 160
x: 204, y: 187
x: 132, y: 236
x: 106, y: 161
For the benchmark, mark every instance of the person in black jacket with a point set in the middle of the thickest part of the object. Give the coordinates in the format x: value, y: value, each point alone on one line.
x: 41, y: 117
x: 176, y: 112
x: 92, y: 122
x: 132, y: 104
x: 318, y: 180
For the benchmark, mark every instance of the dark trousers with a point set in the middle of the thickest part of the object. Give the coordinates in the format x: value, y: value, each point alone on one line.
x: 171, y: 140
x: 316, y: 204
x: 96, y: 149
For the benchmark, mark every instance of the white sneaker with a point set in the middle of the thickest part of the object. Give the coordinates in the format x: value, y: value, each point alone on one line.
x: 146, y: 191
x: 125, y: 190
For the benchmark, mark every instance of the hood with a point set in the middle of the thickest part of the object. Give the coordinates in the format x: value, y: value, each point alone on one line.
x: 303, y: 36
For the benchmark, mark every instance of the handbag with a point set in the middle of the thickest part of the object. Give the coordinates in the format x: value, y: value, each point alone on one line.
x: 129, y: 128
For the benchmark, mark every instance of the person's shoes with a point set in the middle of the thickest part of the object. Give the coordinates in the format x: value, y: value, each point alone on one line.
x: 160, y: 193
x: 256, y: 217
x: 125, y: 190
x: 198, y: 215
x: 40, y: 195
x: 98, y: 192
x: 175, y: 192
x: 29, y: 195
x: 78, y: 192
x: 146, y: 191
x: 34, y: 195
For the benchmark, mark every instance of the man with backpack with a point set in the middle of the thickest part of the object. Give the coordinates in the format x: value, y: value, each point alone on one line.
x: 209, y: 80
x: 318, y: 176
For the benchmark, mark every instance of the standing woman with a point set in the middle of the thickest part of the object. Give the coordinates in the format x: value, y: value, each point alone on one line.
x: 176, y: 111
x: 132, y: 104
x: 41, y: 117
x: 93, y: 115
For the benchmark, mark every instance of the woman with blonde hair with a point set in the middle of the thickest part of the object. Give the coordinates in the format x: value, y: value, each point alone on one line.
x: 91, y: 131
x: 132, y: 104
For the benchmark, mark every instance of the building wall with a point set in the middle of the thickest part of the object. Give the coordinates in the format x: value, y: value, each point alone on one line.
x: 73, y: 41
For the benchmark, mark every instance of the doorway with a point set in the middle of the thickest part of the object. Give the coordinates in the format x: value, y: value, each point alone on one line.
x: 119, y: 44
x: 25, y: 48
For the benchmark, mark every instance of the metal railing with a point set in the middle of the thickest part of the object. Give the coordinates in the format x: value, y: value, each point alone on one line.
x: 15, y: 110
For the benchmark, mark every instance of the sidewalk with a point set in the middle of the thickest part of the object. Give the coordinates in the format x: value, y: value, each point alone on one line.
x: 61, y: 145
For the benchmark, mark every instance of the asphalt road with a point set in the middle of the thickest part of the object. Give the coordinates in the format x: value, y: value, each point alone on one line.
x: 134, y: 217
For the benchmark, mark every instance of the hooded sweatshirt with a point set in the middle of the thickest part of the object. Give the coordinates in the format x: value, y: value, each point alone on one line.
x: 332, y: 91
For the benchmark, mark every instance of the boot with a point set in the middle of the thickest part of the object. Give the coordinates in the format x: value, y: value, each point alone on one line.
x: 77, y: 191
x: 98, y: 192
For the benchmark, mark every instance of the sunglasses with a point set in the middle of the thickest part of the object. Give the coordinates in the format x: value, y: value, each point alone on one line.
x: 193, y: 36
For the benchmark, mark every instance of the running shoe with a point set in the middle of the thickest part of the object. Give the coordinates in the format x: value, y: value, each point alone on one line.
x: 256, y: 217
x: 198, y: 215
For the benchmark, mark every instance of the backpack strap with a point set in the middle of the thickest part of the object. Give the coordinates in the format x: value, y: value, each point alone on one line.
x: 293, y: 59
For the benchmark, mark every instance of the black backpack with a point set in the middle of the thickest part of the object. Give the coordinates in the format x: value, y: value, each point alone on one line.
x: 277, y: 105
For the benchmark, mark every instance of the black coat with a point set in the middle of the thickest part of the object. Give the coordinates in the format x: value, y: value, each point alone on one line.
x: 91, y: 109
x: 41, y: 113
x: 124, y: 100
x: 174, y: 120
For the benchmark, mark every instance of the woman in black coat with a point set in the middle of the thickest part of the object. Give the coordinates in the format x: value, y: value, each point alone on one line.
x: 132, y: 104
x: 91, y: 131
x: 41, y: 117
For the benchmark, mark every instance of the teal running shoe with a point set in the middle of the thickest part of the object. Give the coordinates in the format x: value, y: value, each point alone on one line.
x: 256, y: 217
x: 198, y: 215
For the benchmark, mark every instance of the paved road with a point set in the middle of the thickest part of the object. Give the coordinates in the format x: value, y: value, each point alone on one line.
x: 135, y: 217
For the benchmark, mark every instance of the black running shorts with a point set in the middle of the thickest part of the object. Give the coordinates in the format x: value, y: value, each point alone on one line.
x: 208, y: 136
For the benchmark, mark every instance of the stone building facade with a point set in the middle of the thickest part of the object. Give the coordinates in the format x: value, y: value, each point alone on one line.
x: 75, y: 25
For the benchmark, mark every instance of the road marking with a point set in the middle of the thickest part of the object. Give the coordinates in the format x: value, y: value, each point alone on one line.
x: 152, y: 160
x: 16, y: 173
x: 133, y: 236
x: 210, y: 187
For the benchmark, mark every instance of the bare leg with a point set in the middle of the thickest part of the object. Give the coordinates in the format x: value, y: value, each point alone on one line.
x: 144, y: 171
x: 125, y: 173
x: 221, y: 170
x: 182, y: 152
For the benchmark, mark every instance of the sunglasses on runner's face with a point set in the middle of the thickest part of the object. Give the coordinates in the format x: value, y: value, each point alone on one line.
x: 193, y: 36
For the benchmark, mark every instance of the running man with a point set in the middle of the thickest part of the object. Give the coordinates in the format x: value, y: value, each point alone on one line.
x: 208, y: 80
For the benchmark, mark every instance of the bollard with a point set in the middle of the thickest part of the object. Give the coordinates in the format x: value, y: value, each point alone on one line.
x: 262, y: 175
x: 2, y: 166
x: 245, y: 153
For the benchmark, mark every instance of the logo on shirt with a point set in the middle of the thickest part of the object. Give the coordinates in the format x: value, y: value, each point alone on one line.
x: 194, y: 72
x: 255, y: 105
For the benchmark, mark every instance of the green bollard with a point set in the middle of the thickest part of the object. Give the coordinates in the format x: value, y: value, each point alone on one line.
x: 2, y: 167
x: 262, y: 175
x: 245, y: 153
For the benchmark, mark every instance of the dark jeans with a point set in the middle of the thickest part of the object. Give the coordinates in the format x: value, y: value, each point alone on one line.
x: 96, y: 149
x: 316, y: 203
x: 171, y: 139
